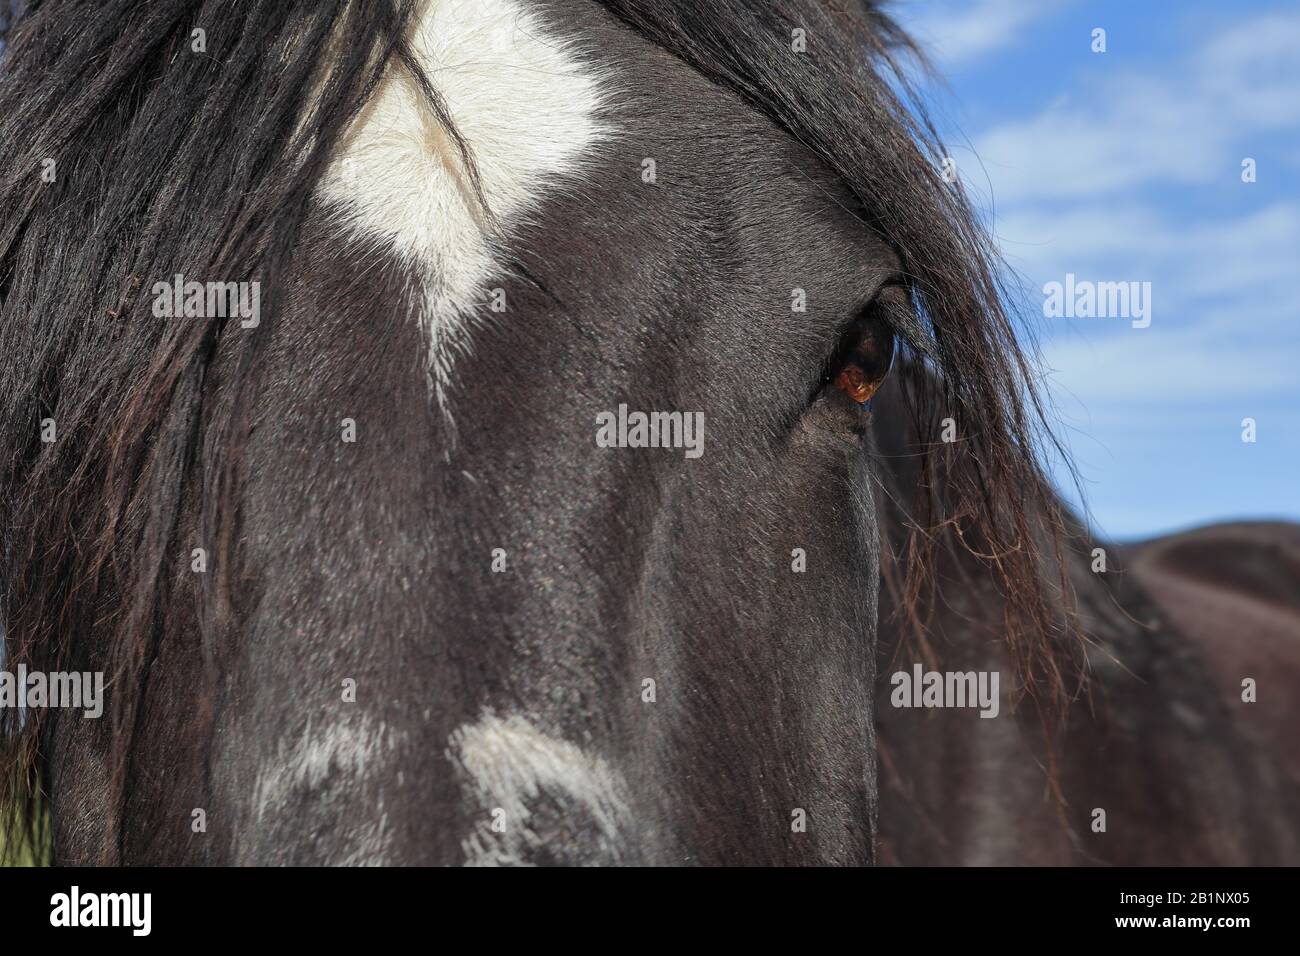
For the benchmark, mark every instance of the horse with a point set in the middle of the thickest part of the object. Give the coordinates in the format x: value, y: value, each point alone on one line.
x: 511, y: 432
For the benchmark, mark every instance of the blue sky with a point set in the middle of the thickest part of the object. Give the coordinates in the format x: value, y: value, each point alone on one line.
x: 1126, y: 166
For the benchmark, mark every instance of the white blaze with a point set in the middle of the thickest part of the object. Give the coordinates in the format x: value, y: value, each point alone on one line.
x: 509, y: 765
x: 526, y: 102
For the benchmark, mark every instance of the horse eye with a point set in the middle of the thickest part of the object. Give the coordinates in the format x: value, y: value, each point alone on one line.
x: 865, y: 362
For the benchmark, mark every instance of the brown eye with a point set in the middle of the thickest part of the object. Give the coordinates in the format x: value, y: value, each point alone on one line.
x: 866, y: 363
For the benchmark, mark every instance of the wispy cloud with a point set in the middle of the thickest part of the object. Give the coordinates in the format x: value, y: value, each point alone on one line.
x: 1129, y: 172
x: 1247, y: 256
x: 1076, y: 188
x: 1190, y: 122
x: 957, y: 33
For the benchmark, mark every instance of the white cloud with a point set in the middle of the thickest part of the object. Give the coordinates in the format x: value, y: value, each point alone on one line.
x: 959, y: 33
x: 1250, y: 257
x: 1191, y: 124
x: 1223, y: 315
x: 1133, y: 174
x: 1079, y: 189
x: 1140, y: 369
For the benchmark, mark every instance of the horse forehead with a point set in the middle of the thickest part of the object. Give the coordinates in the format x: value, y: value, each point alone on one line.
x: 528, y: 102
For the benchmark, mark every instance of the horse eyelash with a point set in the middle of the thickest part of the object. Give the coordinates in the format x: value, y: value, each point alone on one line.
x: 904, y: 318
x: 897, y: 316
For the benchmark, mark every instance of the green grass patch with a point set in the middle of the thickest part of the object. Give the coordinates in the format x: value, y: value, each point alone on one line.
x: 22, y: 852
